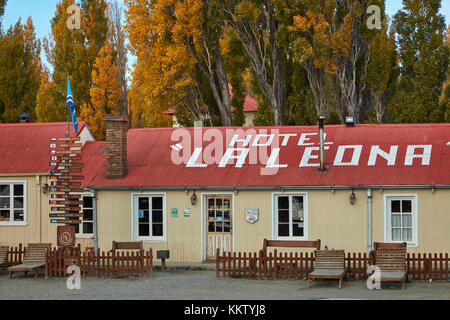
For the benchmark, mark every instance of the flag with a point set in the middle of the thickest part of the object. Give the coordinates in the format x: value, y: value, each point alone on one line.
x: 71, y: 105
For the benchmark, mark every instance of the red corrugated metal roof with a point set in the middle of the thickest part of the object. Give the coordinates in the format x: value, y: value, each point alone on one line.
x: 151, y: 153
x: 25, y: 147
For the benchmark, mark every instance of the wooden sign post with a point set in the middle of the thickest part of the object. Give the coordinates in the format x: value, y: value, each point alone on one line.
x: 65, y: 154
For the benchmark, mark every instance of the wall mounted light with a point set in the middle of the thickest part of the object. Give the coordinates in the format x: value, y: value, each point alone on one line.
x: 194, y: 199
x: 45, y: 188
x: 352, y: 198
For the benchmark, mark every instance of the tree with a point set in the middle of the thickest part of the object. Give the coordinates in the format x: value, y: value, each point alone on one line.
x: 117, y: 39
x: 257, y: 25
x: 73, y: 52
x: 423, y: 59
x: 106, y: 92
x: 330, y: 39
x: 172, y: 39
x: 46, y: 108
x: 2, y: 11
x: 382, y: 70
x: 20, y: 69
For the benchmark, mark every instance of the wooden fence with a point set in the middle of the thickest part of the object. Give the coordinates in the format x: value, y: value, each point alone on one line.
x: 15, y: 255
x: 109, y: 263
x: 279, y: 265
x: 120, y: 263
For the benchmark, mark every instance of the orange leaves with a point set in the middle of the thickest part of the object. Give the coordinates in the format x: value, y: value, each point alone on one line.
x: 105, y: 92
x: 158, y: 31
x: 322, y: 38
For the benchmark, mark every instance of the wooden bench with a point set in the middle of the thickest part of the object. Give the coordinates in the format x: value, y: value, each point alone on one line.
x: 329, y: 264
x: 34, y: 259
x: 127, y: 246
x: 392, y: 264
x: 392, y: 245
x: 4, y: 256
x: 289, y: 244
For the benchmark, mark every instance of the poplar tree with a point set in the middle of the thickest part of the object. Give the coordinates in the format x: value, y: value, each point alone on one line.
x: 424, y: 59
x: 73, y: 52
x: 20, y: 72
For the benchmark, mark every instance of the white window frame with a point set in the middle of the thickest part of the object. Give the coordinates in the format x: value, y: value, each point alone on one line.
x: 135, y: 217
x: 415, y: 219
x: 25, y: 203
x: 275, y: 215
x: 80, y: 228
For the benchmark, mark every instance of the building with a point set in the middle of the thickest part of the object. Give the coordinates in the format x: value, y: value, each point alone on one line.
x: 195, y: 190
x: 250, y: 107
x: 24, y: 180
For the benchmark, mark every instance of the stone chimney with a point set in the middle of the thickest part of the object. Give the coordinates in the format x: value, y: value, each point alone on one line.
x: 116, y: 146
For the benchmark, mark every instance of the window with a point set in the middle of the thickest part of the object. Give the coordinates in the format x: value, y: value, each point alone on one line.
x: 149, y: 217
x: 86, y: 228
x: 12, y: 203
x: 290, y: 216
x: 401, y: 219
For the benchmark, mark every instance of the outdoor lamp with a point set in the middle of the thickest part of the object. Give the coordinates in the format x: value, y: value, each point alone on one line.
x: 45, y: 188
x: 194, y: 199
x: 352, y: 198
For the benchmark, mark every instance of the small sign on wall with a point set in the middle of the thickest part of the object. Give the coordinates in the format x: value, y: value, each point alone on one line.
x: 174, y: 212
x: 66, y: 236
x: 252, y: 215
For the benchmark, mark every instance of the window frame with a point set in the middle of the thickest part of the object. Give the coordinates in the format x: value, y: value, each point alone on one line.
x: 85, y: 235
x: 135, y: 218
x: 25, y: 203
x: 275, y: 215
x: 388, y: 198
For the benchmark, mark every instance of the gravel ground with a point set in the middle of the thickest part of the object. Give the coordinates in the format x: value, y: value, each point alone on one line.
x: 203, y: 285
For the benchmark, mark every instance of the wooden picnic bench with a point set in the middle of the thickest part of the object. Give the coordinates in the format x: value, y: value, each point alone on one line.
x: 4, y: 256
x: 392, y: 264
x: 34, y: 259
x: 329, y: 264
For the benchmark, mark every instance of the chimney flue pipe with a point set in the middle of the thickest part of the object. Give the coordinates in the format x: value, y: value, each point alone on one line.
x: 321, y: 121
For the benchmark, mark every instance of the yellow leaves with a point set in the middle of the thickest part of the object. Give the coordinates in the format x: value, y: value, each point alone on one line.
x: 302, y: 50
x: 106, y: 94
x: 158, y: 32
x: 322, y: 40
x: 248, y: 10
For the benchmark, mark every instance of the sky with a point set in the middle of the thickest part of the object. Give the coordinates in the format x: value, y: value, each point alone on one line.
x: 42, y: 11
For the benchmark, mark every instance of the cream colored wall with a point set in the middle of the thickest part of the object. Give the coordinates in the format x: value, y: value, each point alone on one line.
x: 38, y: 228
x: 249, y: 117
x: 331, y: 218
x: 433, y: 218
x: 183, y: 233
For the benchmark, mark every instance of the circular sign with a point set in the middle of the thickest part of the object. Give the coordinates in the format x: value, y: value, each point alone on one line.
x: 66, y: 238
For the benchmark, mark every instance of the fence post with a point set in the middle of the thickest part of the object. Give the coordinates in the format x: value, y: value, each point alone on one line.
x: 46, y: 264
x: 217, y: 263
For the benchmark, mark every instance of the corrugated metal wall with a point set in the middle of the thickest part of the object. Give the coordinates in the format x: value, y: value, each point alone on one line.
x: 331, y: 218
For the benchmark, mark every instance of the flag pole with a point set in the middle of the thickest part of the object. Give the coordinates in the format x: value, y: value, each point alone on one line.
x: 68, y: 114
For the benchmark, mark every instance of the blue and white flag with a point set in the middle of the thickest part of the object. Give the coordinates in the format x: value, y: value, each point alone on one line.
x: 71, y: 105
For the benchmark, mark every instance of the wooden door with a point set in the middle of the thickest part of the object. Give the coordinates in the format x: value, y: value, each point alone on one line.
x: 219, y: 224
